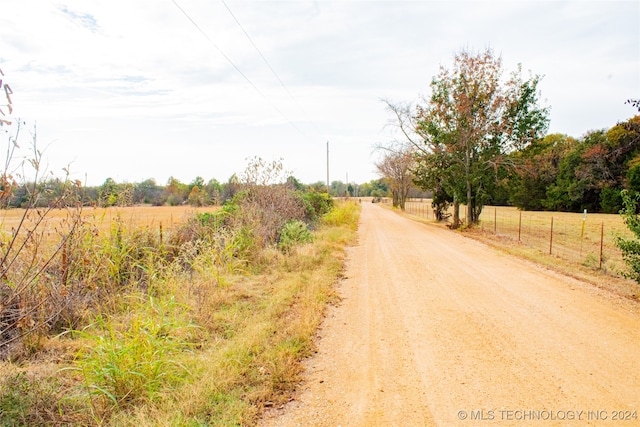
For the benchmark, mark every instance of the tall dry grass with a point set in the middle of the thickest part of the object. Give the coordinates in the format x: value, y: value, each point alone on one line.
x: 183, y: 328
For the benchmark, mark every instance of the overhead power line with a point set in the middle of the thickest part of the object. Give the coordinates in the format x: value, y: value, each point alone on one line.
x: 262, y: 56
x: 255, y: 46
x: 268, y: 64
x: 195, y: 24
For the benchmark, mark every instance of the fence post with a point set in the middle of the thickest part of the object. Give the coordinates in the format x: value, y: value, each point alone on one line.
x: 601, y: 241
x: 519, y: 226
x: 551, y: 237
x: 495, y: 221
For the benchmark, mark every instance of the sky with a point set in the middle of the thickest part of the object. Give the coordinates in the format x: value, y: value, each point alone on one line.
x: 139, y: 89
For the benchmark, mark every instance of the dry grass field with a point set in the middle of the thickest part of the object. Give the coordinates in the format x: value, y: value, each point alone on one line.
x: 588, y: 240
x: 138, y: 216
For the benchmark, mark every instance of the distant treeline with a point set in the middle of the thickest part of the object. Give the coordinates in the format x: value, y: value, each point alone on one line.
x: 561, y: 173
x: 558, y: 173
x: 196, y: 193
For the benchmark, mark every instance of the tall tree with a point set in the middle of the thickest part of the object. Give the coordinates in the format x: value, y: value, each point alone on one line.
x: 149, y: 192
x: 472, y: 121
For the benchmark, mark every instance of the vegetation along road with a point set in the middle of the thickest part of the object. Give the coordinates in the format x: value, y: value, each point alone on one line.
x: 437, y: 329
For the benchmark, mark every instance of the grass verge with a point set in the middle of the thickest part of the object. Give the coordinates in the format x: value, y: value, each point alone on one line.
x: 189, y: 348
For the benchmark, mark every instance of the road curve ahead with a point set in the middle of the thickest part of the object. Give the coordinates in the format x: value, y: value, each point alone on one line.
x: 436, y: 329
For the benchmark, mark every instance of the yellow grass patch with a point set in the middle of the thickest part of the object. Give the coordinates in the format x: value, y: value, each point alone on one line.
x: 143, y: 216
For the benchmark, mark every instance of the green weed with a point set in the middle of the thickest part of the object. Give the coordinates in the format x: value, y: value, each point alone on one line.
x: 135, y: 363
x: 294, y: 233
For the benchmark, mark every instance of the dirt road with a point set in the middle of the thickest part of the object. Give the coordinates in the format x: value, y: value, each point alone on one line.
x: 437, y: 329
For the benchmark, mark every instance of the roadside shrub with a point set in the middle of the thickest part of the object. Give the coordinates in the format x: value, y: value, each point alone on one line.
x: 220, y: 253
x: 208, y: 242
x: 631, y: 247
x: 317, y: 204
x: 265, y: 202
x: 294, y: 233
x: 107, y: 262
x: 264, y: 210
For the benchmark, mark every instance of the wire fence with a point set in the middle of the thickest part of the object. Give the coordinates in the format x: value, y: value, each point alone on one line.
x: 583, y: 238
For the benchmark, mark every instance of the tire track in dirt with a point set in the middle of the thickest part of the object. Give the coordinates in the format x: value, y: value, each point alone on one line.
x: 432, y: 324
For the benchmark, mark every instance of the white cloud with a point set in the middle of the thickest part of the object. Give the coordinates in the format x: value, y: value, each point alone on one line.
x: 133, y: 91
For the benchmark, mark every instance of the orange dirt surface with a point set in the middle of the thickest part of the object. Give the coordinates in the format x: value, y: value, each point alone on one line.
x: 438, y: 329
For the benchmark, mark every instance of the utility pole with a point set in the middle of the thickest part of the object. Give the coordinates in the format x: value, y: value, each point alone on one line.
x: 328, y: 167
x: 347, y: 185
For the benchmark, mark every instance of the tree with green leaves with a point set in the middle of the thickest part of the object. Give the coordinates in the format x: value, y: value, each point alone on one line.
x: 631, y: 247
x: 567, y: 174
x: 433, y: 172
x: 470, y: 124
x: 108, y: 193
x: 148, y: 192
x: 536, y: 171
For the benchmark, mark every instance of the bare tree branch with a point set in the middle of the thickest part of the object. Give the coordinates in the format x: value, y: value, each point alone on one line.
x: 405, y: 122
